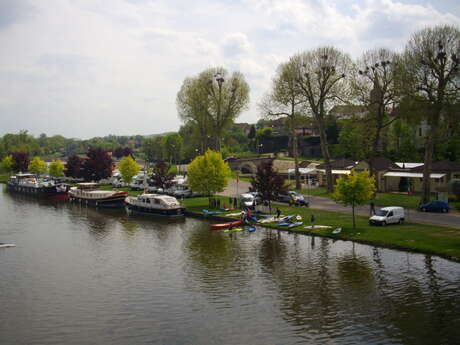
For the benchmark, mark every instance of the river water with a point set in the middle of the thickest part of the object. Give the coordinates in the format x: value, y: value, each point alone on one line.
x: 84, y: 276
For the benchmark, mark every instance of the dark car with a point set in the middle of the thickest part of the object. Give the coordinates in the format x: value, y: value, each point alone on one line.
x: 435, y: 206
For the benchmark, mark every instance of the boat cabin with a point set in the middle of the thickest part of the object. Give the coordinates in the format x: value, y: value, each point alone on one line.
x: 157, y: 201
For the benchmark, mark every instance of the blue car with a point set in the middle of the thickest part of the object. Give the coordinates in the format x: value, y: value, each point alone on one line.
x: 435, y: 206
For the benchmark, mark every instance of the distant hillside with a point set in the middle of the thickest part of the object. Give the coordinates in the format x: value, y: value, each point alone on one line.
x: 157, y: 135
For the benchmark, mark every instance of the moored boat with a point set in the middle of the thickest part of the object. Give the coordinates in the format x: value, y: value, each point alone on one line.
x: 226, y: 225
x: 155, y: 204
x: 31, y: 185
x: 88, y: 194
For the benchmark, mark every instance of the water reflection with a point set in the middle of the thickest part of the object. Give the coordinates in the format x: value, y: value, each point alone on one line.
x: 85, y: 275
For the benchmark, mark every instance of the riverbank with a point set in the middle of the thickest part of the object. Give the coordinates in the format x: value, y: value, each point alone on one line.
x: 422, y: 238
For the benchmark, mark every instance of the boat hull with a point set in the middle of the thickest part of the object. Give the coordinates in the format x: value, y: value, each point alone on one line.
x: 116, y: 201
x: 175, y: 212
x: 50, y: 192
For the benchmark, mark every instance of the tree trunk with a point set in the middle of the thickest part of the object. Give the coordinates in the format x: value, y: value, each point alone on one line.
x: 295, y: 153
x: 325, y: 152
x: 353, y: 212
x: 428, y: 159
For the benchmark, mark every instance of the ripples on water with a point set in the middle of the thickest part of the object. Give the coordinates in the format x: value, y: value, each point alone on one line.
x: 84, y: 276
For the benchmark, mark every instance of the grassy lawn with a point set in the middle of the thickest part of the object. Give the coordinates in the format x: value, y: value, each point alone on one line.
x: 242, y: 178
x: 4, y: 177
x: 382, y: 199
x: 417, y: 237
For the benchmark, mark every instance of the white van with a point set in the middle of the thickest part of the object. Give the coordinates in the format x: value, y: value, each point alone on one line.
x: 388, y: 215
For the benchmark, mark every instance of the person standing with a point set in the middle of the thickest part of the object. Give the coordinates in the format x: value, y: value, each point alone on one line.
x: 312, y: 221
x: 278, y: 213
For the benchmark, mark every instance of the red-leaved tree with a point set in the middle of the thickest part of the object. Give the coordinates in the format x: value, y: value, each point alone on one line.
x: 162, y: 177
x: 73, y: 166
x: 97, y: 166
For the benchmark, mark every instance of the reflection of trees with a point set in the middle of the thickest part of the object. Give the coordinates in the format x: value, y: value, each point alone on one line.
x: 213, y: 256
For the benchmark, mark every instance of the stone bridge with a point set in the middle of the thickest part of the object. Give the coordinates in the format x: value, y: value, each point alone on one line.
x: 247, y: 165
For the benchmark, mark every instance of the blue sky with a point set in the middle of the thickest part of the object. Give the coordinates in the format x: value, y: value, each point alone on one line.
x: 85, y: 68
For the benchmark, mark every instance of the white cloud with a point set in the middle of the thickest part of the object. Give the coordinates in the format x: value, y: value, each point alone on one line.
x: 84, y: 68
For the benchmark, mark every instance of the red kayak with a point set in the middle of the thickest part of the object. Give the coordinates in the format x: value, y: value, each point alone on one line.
x: 226, y: 225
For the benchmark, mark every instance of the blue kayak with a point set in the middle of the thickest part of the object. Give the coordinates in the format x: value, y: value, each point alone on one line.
x: 251, y: 228
x: 211, y: 212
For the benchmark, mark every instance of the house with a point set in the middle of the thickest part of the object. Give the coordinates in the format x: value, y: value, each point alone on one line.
x: 339, y: 167
x: 380, y: 165
x: 343, y: 112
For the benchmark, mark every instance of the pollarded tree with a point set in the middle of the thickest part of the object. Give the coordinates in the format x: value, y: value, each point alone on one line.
x: 173, y: 147
x: 56, y: 168
x: 429, y: 75
x: 354, y: 189
x: 128, y: 168
x: 213, y: 100
x: 208, y: 174
x: 37, y: 166
x: 373, y: 85
x: 97, y: 166
x: 321, y: 80
x: 285, y: 100
x: 73, y: 166
x: 162, y: 176
x: 267, y: 182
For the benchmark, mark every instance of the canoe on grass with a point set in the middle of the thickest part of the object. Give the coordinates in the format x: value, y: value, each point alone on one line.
x: 251, y: 228
x: 226, y: 225
x: 285, y: 219
x: 211, y: 212
x: 7, y: 245
x: 293, y: 225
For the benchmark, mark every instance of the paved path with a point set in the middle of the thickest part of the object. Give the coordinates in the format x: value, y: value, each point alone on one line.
x: 321, y: 203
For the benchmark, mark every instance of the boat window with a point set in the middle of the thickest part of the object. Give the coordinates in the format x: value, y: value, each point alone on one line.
x: 157, y: 201
x: 148, y: 201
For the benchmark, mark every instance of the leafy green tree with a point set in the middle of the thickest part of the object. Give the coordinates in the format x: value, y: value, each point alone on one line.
x: 213, y: 100
x: 128, y: 168
x: 37, y: 166
x: 454, y: 187
x: 56, y: 168
x: 173, y: 147
x: 321, y: 78
x: 429, y: 79
x: 354, y: 189
x: 6, y: 164
x: 267, y: 182
x: 354, y: 140
x: 208, y: 174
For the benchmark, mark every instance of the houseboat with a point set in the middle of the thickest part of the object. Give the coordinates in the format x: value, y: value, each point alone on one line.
x: 31, y: 185
x: 155, y: 204
x: 88, y: 194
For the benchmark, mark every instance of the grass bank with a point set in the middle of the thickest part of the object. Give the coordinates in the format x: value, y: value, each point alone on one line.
x: 4, y: 177
x: 382, y: 199
x: 438, y: 240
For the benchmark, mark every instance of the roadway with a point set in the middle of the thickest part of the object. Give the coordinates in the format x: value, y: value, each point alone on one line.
x: 445, y: 219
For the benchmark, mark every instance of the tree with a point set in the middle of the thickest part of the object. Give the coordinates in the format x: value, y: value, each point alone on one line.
x: 97, y: 166
x: 56, y: 168
x: 454, y: 188
x: 354, y: 140
x: 162, y: 176
x: 267, y: 182
x: 208, y: 174
x: 321, y: 79
x: 429, y: 79
x: 74, y: 166
x: 6, y: 164
x: 37, y: 166
x: 354, y: 189
x: 374, y: 87
x: 153, y: 149
x: 128, y: 168
x: 213, y: 100
x: 173, y: 147
x: 285, y: 100
x: 20, y: 161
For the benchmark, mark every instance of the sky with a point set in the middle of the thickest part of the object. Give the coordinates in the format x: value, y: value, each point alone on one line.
x: 86, y: 68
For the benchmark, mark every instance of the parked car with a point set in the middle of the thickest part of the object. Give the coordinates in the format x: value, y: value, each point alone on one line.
x: 388, y: 215
x: 435, y: 206
x: 292, y: 197
x: 247, y: 200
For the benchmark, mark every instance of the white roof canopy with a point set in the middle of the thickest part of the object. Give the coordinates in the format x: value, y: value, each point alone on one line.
x: 336, y: 172
x: 302, y: 170
x: 410, y: 174
x: 408, y: 165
